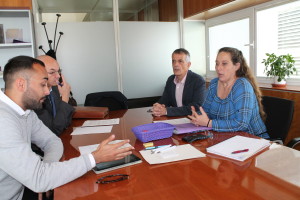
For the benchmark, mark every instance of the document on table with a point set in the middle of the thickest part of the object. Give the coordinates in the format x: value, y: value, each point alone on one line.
x: 91, y: 130
x: 180, y: 152
x: 239, y: 147
x: 90, y: 123
x: 90, y: 148
x: 175, y: 121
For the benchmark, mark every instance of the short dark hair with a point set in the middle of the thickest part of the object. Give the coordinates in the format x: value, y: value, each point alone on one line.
x: 184, y: 51
x: 17, y: 64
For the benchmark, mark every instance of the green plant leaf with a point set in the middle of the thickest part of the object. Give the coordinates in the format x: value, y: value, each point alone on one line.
x: 282, y: 66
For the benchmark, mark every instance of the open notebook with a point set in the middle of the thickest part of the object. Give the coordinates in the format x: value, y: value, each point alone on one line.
x: 246, y: 147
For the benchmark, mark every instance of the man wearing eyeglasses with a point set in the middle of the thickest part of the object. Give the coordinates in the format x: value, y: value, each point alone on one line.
x: 25, y: 89
x: 56, y: 113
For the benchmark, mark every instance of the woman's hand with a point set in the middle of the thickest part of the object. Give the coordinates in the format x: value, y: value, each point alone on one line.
x: 199, y: 119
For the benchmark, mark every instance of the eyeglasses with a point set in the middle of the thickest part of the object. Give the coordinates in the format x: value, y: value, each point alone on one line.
x: 54, y: 72
x: 112, y: 178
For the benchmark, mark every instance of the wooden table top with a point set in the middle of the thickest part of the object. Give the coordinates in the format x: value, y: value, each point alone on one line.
x: 211, y: 177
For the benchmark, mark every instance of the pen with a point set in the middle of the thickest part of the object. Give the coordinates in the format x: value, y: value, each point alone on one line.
x: 160, y: 149
x: 165, y: 149
x: 240, y: 151
x: 155, y: 147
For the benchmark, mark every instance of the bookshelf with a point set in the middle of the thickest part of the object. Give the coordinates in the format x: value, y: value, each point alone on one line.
x: 15, y: 24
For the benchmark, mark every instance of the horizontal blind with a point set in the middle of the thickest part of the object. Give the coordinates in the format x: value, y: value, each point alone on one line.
x: 289, y: 33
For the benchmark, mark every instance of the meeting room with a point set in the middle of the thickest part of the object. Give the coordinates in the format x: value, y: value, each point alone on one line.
x: 149, y: 99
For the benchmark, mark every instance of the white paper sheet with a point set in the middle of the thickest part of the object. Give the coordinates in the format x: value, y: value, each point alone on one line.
x: 236, y: 143
x: 90, y: 123
x: 90, y: 148
x: 91, y: 130
x: 181, y: 152
x: 175, y: 121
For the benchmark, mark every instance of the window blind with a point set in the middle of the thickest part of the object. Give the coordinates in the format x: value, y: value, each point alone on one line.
x: 289, y: 33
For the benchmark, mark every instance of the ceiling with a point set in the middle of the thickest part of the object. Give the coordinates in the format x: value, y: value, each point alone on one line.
x: 101, y: 10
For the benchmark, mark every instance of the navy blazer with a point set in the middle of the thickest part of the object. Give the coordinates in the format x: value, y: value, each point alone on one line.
x: 193, y: 95
x: 63, y: 117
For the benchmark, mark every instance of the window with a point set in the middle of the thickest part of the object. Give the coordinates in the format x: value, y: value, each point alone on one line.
x: 232, y: 30
x: 232, y: 34
x: 280, y: 37
x: 276, y: 30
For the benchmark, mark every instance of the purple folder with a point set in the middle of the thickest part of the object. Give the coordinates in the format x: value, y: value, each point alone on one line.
x: 189, y: 128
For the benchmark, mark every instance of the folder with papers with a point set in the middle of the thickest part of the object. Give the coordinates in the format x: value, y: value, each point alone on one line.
x: 189, y: 128
x: 239, y: 147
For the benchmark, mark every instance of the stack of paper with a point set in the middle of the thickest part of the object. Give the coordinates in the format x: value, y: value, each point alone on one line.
x: 91, y: 130
x: 95, y: 126
x: 239, y: 147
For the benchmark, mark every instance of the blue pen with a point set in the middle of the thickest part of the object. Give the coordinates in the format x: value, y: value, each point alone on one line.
x: 155, y: 147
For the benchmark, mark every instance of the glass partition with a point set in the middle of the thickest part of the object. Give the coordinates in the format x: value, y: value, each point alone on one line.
x: 95, y: 10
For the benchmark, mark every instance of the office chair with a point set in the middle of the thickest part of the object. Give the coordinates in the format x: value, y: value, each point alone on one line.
x: 294, y: 142
x: 279, y: 117
x: 114, y: 100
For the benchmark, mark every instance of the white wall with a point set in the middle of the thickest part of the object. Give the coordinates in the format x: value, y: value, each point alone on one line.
x: 146, y: 56
x: 86, y: 54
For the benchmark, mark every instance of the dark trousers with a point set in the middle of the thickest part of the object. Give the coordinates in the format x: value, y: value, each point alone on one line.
x: 29, y: 195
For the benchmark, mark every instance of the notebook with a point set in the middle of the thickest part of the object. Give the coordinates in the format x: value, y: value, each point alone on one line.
x: 244, y: 147
x: 189, y: 128
x: 116, y: 164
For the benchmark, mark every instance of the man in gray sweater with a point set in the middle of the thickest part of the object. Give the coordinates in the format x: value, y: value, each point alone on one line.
x: 25, y: 89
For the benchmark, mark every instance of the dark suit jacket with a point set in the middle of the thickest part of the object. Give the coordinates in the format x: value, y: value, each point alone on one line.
x: 63, y: 117
x: 193, y: 95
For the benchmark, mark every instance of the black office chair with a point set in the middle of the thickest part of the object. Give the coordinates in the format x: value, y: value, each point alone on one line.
x: 279, y: 117
x: 114, y: 100
x: 294, y: 142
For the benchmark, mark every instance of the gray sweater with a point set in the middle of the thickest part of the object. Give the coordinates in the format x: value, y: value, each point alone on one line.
x: 20, y: 166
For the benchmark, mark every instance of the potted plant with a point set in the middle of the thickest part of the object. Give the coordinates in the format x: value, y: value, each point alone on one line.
x: 279, y: 67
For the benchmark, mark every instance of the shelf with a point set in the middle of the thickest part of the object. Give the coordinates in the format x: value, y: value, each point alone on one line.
x: 15, y: 19
x: 15, y: 45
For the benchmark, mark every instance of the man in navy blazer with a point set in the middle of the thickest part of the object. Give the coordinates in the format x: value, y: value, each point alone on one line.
x: 56, y: 113
x: 183, y: 89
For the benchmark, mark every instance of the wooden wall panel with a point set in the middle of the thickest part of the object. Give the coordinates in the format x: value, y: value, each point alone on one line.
x: 167, y: 10
x: 192, y: 7
x: 295, y: 96
x: 12, y: 4
x: 141, y: 15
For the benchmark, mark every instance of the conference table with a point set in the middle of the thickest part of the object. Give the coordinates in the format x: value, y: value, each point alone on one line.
x: 210, y: 177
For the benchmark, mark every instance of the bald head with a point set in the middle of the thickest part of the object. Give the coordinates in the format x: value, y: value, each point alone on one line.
x: 52, y: 68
